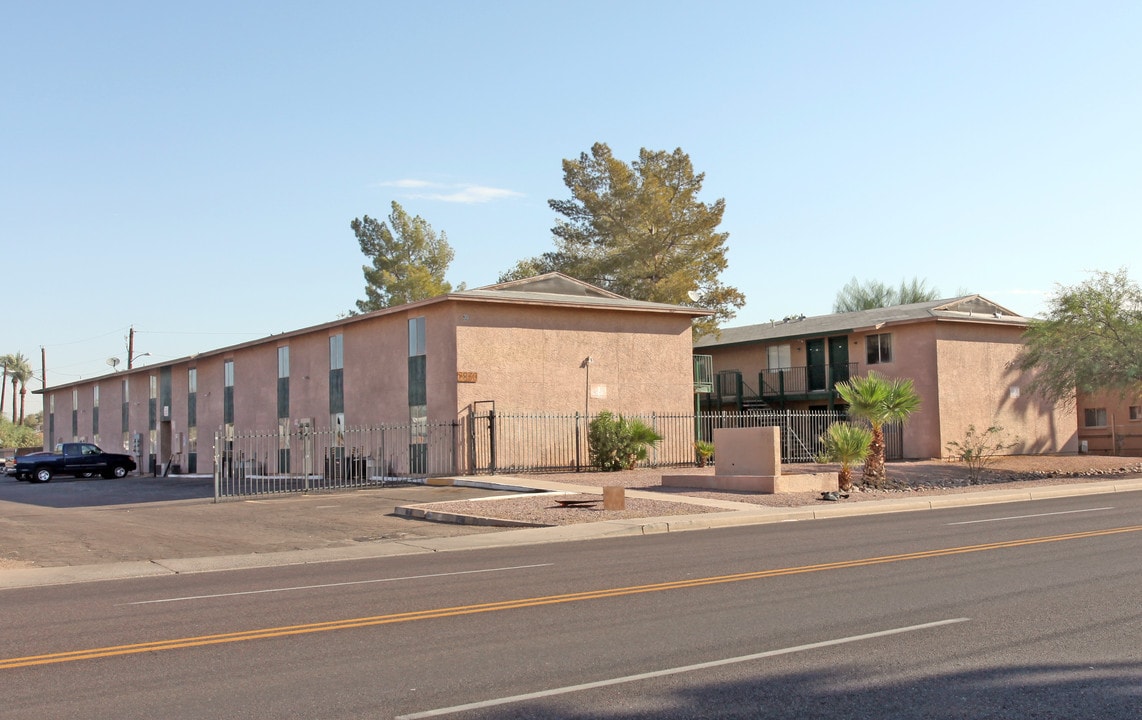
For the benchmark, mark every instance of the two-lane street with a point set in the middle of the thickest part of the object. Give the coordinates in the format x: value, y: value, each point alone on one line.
x: 1019, y: 610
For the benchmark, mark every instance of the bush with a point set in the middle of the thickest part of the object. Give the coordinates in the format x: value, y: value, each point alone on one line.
x: 617, y: 443
x: 704, y: 450
x: 846, y: 444
x: 978, y: 450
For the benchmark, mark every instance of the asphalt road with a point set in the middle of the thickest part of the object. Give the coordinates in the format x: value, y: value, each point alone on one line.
x: 1001, y: 611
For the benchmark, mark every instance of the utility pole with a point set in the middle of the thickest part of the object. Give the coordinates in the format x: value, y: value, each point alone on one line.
x: 131, y: 347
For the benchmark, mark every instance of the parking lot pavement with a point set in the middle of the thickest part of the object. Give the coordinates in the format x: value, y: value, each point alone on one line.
x: 92, y: 521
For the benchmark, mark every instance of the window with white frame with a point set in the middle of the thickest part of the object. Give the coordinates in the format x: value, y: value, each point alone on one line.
x: 1094, y: 417
x: 779, y: 356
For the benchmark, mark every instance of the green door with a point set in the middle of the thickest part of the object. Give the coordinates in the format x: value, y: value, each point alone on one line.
x: 815, y: 349
x: 839, y: 359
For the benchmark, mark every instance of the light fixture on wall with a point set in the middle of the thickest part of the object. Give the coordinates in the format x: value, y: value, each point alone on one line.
x: 586, y: 365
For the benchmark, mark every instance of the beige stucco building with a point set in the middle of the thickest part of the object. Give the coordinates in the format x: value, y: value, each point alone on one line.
x: 1110, y: 423
x: 545, y: 344
x: 958, y: 352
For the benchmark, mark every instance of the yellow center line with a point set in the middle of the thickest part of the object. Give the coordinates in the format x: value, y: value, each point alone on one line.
x: 346, y: 624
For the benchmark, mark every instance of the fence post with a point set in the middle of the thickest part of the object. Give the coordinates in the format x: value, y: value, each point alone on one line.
x: 455, y: 447
x: 578, y: 444
x: 217, y: 468
x: 492, y: 439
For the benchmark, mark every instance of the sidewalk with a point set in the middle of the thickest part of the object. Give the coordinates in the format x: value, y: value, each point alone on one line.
x: 719, y: 514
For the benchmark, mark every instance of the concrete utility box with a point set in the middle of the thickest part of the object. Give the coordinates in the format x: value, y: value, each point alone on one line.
x: 749, y: 460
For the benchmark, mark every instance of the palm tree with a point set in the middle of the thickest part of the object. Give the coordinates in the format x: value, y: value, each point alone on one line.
x: 878, y: 400
x: 846, y: 444
x: 20, y: 371
x: 5, y: 360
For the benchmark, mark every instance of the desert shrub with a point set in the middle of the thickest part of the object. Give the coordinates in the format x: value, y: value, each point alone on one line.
x: 978, y: 450
x: 617, y: 443
x: 704, y: 450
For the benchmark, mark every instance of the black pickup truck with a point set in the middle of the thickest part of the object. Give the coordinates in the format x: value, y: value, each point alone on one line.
x: 75, y: 459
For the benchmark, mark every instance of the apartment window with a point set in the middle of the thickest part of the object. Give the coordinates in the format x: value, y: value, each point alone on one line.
x: 228, y: 392
x: 879, y: 348
x: 417, y: 397
x: 74, y: 414
x: 1136, y: 412
x: 778, y: 356
x: 95, y: 414
x: 192, y: 420
x: 192, y: 397
x: 336, y: 352
x: 126, y: 427
x: 153, y: 403
x: 1094, y: 417
x: 415, y: 337
x: 283, y: 382
x: 336, y: 374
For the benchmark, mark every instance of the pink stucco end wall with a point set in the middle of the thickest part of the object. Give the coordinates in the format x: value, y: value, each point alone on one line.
x: 532, y: 359
x: 981, y: 387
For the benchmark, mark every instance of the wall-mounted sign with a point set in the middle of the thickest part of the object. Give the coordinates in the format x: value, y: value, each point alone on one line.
x: 465, y: 377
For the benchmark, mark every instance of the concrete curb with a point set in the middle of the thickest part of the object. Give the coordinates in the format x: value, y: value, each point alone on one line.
x: 732, y: 517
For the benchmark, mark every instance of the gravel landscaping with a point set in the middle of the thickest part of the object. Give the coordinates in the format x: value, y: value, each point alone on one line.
x: 905, y: 479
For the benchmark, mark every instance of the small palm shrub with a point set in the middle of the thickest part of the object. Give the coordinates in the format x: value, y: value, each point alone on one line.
x: 617, y: 443
x: 704, y: 450
x: 846, y: 444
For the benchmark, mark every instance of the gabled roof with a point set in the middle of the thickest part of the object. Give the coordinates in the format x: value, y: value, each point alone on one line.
x: 551, y: 289
x: 558, y: 289
x: 967, y: 308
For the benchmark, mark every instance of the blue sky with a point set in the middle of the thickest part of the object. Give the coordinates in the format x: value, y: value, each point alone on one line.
x: 191, y: 169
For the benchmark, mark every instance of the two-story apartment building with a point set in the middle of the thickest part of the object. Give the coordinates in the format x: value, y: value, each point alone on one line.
x: 544, y: 344
x: 959, y: 353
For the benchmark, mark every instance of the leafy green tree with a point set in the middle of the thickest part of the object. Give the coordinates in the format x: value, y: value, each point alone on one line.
x: 879, y: 400
x: 1090, y: 341
x: 23, y: 435
x: 846, y: 444
x: 856, y: 295
x: 408, y: 260
x: 640, y: 230
x: 19, y: 373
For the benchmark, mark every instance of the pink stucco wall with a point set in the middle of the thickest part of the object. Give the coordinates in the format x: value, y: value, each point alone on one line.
x: 962, y: 372
x: 525, y: 356
x: 531, y: 359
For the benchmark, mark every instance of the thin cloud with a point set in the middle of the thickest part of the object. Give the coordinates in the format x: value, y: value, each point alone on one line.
x: 452, y: 193
x: 471, y: 194
x: 407, y: 183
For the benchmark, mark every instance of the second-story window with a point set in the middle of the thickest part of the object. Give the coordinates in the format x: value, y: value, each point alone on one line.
x: 879, y: 348
x: 778, y: 356
x: 228, y: 392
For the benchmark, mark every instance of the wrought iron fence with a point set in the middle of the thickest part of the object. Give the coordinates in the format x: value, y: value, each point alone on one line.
x: 512, y: 442
x: 305, y: 459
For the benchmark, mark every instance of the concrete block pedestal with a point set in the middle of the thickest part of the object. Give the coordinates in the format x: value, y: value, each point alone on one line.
x: 749, y: 460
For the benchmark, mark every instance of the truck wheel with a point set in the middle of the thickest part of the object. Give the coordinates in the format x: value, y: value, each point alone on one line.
x: 42, y: 475
x: 119, y: 471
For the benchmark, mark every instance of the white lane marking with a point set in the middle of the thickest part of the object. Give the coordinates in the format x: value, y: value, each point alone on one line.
x: 672, y: 671
x: 1022, y: 517
x: 340, y: 584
